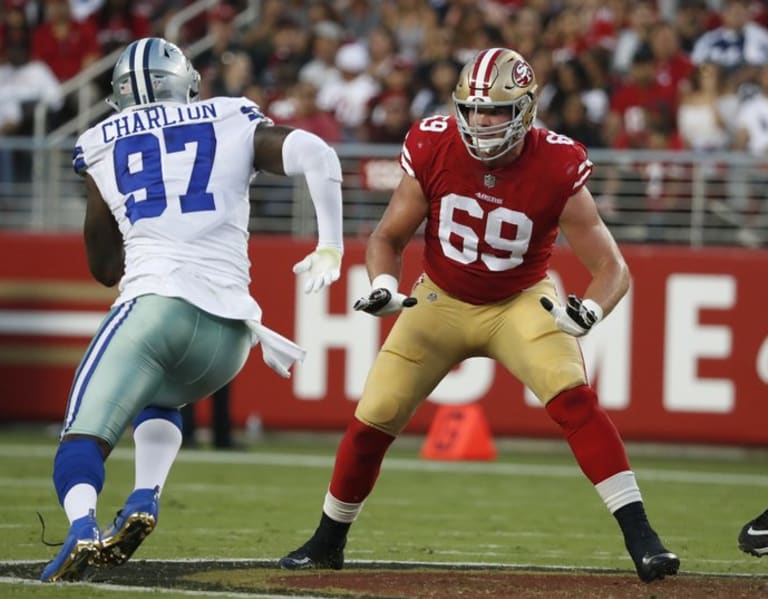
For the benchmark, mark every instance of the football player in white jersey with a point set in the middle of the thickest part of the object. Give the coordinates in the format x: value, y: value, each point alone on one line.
x: 167, y: 180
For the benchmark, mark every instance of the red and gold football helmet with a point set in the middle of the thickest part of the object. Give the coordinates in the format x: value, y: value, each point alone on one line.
x: 497, y: 77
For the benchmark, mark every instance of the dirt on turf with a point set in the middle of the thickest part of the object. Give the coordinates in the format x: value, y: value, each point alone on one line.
x: 395, y: 581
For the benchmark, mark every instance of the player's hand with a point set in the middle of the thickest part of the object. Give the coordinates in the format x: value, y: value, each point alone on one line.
x: 384, y: 299
x: 577, y: 317
x: 323, y: 267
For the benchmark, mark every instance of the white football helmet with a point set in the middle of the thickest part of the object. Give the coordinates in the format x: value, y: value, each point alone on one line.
x: 152, y: 70
x: 499, y: 78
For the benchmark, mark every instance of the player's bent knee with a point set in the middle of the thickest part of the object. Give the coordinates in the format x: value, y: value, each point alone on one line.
x: 382, y: 413
x: 573, y: 407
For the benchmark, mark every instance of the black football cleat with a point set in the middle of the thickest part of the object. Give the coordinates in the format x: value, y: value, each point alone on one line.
x: 655, y: 566
x: 314, y: 555
x: 652, y: 560
x: 753, y: 538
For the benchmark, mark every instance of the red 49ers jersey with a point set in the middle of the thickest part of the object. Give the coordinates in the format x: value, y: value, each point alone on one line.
x: 490, y: 231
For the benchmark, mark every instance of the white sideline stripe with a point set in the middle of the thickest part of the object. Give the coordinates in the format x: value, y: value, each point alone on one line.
x: 122, y: 588
x: 414, y: 465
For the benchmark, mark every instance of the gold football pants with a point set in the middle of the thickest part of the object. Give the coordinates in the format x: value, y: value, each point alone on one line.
x: 440, y: 331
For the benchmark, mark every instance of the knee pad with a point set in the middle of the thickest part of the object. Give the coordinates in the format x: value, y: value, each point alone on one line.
x: 172, y: 415
x: 573, y: 407
x: 77, y: 461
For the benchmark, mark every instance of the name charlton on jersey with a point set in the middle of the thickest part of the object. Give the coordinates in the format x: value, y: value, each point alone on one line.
x: 155, y: 117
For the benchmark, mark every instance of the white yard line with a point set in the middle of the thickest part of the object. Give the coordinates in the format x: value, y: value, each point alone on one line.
x: 414, y: 465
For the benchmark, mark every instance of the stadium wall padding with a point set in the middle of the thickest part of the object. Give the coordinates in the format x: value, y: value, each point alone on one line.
x: 683, y: 358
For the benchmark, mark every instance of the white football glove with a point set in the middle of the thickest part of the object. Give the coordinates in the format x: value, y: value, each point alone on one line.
x: 577, y: 317
x: 323, y: 267
x: 384, y: 299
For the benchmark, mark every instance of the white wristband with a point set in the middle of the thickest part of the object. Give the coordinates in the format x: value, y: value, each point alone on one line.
x: 385, y: 281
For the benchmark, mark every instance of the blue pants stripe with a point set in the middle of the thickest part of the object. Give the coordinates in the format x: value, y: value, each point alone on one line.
x: 91, y: 360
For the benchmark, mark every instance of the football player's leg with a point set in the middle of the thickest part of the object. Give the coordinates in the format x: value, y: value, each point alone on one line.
x: 203, y: 353
x: 551, y: 364
x: 157, y: 439
x: 420, y: 350
x: 94, y: 421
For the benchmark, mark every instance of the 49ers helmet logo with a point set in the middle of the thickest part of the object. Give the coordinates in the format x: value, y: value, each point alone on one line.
x: 522, y: 74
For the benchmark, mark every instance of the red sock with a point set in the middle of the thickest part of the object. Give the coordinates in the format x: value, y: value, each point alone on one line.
x: 358, y: 461
x: 593, y: 438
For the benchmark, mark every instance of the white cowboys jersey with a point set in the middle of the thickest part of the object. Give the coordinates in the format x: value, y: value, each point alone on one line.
x: 176, y: 178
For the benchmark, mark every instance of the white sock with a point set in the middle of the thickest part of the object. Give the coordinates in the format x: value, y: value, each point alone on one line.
x: 339, y: 510
x: 619, y: 490
x: 157, y: 442
x: 80, y: 500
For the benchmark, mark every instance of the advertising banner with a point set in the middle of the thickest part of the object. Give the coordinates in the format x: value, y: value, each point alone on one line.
x: 683, y: 358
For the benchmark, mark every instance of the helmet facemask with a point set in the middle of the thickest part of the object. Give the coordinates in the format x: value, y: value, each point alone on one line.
x: 500, y: 80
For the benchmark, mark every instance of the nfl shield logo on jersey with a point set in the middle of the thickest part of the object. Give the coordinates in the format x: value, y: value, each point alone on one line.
x: 489, y: 180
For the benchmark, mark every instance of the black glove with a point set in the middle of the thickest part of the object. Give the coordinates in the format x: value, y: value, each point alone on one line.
x: 381, y: 303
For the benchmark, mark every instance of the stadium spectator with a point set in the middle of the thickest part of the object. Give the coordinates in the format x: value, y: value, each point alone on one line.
x: 752, y: 119
x: 317, y: 12
x: 83, y: 9
x: 119, y: 22
x: 389, y: 118
x: 575, y: 123
x: 739, y: 45
x: 235, y: 77
x: 285, y: 53
x: 327, y: 36
x: 184, y: 322
x: 473, y: 178
x: 567, y: 34
x: 65, y: 45
x: 523, y: 28
x: 437, y: 97
x: 673, y: 66
x: 347, y: 98
x: 383, y: 51
x: 359, y: 17
x: 471, y: 31
x: 23, y: 83
x: 570, y: 78
x: 690, y: 21
x: 438, y: 47
x: 639, y: 103
x: 258, y: 38
x: 226, y: 44
x: 752, y: 137
x: 703, y: 111
x: 299, y: 109
x: 411, y: 21
x: 636, y: 34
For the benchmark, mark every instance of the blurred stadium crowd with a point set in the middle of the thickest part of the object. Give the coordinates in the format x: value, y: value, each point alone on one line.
x: 648, y: 74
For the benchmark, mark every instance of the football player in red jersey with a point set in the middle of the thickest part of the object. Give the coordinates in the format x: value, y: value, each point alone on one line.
x: 494, y: 192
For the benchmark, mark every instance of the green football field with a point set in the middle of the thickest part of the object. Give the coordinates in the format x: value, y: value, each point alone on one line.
x: 529, y: 507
